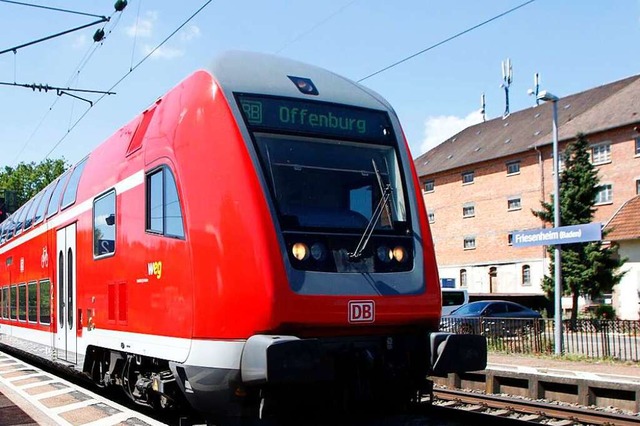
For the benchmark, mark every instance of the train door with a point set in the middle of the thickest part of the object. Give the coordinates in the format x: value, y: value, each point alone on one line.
x: 66, y: 337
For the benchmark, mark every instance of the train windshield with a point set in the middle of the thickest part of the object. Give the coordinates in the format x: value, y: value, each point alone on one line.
x: 326, y: 183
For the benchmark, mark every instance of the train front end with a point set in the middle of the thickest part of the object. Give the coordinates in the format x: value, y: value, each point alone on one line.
x: 359, y: 311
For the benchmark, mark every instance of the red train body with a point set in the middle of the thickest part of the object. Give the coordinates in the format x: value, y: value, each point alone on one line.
x: 259, y: 225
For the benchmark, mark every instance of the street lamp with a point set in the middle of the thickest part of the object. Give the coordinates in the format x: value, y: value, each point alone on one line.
x: 546, y: 96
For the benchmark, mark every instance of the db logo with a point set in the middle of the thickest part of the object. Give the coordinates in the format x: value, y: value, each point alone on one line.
x: 362, y: 311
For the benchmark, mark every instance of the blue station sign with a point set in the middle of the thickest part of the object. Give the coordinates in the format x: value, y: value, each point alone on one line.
x: 561, y: 235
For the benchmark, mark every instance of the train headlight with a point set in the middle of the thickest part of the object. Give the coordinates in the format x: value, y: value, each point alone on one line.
x: 300, y: 251
x: 385, y: 254
x: 399, y: 254
x: 318, y: 251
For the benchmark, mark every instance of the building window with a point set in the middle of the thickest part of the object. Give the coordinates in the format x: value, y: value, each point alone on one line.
x: 605, y: 194
x: 510, y: 238
x: 463, y: 277
x: 164, y: 214
x: 637, y: 186
x: 431, y: 215
x: 526, y: 275
x: 429, y: 185
x: 104, y: 224
x: 467, y: 177
x: 601, y: 154
x: 514, y: 204
x: 513, y: 168
x: 468, y: 210
x: 637, y: 146
x: 469, y: 243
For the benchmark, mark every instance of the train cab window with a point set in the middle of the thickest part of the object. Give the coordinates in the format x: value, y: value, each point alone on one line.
x: 32, y: 302
x: 44, y: 304
x: 69, y: 196
x: 44, y: 203
x: 164, y: 214
x: 12, y: 301
x: 22, y: 302
x: 54, y: 203
x: 104, y: 224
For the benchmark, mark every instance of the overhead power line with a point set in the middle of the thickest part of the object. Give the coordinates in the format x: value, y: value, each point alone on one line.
x: 51, y: 8
x: 127, y: 74
x: 440, y: 43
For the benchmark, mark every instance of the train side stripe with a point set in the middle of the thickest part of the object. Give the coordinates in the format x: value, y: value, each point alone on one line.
x: 121, y: 187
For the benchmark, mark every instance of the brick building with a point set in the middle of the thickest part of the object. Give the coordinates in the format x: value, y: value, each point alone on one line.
x: 481, y: 185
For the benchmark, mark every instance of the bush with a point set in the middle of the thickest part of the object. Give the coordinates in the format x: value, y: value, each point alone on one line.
x: 605, y: 312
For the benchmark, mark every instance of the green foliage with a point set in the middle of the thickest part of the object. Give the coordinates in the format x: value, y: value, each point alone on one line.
x: 588, y: 269
x: 27, y: 179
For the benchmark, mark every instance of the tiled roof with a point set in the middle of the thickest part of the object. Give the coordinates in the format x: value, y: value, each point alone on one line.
x: 625, y: 224
x: 611, y: 105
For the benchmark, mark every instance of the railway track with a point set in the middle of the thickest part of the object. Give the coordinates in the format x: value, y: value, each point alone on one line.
x: 530, y: 411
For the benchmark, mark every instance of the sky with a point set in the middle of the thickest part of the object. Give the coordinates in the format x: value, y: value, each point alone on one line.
x: 573, y: 45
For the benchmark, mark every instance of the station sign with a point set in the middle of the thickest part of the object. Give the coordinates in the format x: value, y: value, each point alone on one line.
x: 447, y: 282
x: 556, y: 236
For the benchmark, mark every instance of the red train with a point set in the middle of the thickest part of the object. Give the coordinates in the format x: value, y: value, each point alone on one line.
x: 257, y: 231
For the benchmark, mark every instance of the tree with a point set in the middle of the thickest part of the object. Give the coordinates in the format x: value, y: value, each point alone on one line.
x: 27, y: 179
x: 588, y: 269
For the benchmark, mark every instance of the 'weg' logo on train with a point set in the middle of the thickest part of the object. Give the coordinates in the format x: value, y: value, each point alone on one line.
x: 155, y: 268
x: 362, y: 311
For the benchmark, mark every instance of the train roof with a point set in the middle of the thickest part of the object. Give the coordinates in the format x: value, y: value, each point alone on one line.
x: 259, y: 73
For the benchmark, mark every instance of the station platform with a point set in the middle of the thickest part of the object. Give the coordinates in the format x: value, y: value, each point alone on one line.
x: 31, y: 396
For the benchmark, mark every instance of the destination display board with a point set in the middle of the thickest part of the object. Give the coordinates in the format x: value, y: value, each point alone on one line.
x: 317, y: 118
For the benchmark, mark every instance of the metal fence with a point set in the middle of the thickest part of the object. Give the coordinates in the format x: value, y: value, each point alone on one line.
x: 589, y: 338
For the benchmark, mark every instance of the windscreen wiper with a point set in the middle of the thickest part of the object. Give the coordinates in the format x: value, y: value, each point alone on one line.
x: 382, y: 204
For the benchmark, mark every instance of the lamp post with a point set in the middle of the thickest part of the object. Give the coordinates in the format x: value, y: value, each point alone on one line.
x: 546, y: 96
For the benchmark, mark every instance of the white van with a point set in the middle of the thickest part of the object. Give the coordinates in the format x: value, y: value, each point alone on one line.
x: 452, y: 299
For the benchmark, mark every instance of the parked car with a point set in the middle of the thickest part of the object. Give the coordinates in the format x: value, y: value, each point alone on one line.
x: 452, y: 299
x: 493, y: 317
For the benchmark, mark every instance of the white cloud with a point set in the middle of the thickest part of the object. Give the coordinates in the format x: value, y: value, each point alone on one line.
x: 144, y: 26
x: 80, y: 41
x: 163, y: 52
x: 191, y: 32
x: 440, y: 128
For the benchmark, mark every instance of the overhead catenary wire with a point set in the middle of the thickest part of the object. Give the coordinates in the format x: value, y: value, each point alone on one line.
x: 75, y: 12
x: 448, y: 39
x: 200, y: 9
x: 83, y: 62
x: 314, y: 27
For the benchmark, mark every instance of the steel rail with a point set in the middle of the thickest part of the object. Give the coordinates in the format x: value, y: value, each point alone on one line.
x: 578, y: 414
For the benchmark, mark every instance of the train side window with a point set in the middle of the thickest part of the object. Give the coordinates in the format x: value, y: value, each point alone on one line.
x: 28, y: 219
x: 69, y: 196
x: 1, y: 302
x: 21, y: 219
x: 5, y: 302
x: 44, y: 304
x: 22, y: 302
x: 54, y: 203
x: 164, y: 213
x: 104, y: 225
x: 12, y: 224
x: 12, y: 301
x: 44, y: 203
x: 32, y: 302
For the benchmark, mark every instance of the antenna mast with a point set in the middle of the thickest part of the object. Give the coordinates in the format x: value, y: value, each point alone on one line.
x: 507, y: 78
x: 483, y: 108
